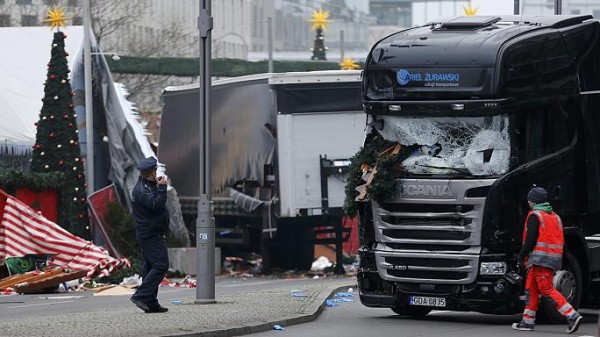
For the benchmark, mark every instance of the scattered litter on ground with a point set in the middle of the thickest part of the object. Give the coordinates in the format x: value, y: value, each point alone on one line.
x: 114, y: 291
x: 331, y: 303
x: 340, y: 297
x: 320, y: 264
x: 176, y: 302
x: 186, y: 282
x: 132, y: 281
x: 278, y: 327
x: 8, y: 292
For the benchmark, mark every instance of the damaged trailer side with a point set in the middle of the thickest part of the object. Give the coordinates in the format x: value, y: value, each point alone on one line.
x: 281, y: 144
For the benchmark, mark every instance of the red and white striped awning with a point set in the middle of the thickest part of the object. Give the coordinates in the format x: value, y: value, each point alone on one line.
x: 23, y: 231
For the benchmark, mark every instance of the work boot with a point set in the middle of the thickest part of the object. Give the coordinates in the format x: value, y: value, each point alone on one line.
x: 574, y: 323
x: 156, y: 309
x: 522, y: 326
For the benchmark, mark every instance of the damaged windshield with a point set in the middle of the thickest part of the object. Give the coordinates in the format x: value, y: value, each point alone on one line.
x: 476, y: 146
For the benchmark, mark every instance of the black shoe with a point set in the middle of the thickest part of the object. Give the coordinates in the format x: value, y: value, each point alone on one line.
x: 574, y: 324
x: 140, y: 304
x: 522, y: 326
x: 157, y: 309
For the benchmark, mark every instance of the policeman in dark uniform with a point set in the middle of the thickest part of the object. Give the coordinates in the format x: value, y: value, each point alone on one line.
x: 148, y: 201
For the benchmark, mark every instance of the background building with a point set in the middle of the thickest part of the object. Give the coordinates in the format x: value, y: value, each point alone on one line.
x: 167, y: 28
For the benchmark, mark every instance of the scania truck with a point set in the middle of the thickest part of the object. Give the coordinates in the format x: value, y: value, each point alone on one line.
x: 464, y: 115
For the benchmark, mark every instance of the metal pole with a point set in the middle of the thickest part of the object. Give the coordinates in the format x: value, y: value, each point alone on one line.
x: 517, y: 7
x: 558, y: 7
x: 205, y: 223
x: 89, y: 104
x: 342, y: 45
x: 270, y: 42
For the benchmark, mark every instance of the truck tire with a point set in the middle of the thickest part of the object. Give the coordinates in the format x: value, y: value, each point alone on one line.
x: 411, y: 311
x: 569, y: 283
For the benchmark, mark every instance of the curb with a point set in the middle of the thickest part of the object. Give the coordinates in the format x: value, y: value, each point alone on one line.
x: 311, y: 312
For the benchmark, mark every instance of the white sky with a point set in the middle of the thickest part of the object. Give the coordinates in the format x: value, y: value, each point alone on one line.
x: 491, y: 7
x: 423, y: 12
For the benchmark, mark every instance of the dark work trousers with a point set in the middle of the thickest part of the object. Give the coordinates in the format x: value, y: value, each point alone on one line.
x: 155, y: 263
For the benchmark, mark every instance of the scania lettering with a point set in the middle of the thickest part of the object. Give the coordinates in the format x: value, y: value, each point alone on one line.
x: 480, y: 110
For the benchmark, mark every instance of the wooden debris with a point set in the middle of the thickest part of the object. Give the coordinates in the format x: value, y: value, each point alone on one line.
x: 40, y: 280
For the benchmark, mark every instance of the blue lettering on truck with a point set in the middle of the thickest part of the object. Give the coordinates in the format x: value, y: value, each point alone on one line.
x: 404, y: 77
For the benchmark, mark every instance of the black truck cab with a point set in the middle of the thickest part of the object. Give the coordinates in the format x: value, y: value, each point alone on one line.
x: 482, y: 107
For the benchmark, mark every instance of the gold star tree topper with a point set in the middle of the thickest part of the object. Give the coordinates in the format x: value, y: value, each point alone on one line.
x: 320, y: 18
x: 348, y: 64
x: 470, y: 10
x: 56, y: 17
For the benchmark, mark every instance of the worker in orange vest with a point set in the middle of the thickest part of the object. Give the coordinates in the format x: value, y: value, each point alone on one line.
x: 541, y: 254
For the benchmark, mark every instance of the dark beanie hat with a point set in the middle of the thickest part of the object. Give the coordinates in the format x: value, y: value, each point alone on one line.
x: 537, y: 195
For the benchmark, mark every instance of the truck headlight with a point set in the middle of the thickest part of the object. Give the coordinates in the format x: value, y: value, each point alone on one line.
x: 492, y: 268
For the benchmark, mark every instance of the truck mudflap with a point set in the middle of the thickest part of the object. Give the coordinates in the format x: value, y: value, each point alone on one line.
x: 493, y: 296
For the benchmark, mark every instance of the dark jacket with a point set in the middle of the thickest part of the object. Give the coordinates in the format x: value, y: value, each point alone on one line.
x: 148, y: 202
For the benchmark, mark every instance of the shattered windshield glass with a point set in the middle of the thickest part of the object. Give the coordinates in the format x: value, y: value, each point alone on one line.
x: 477, y: 146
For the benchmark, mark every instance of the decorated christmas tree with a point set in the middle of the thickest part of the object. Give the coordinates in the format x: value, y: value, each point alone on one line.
x: 319, y: 20
x: 56, y: 147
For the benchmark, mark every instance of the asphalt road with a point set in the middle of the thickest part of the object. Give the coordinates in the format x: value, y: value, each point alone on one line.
x: 352, y: 319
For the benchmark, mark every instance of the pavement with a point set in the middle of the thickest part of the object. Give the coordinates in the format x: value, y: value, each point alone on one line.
x: 233, y: 314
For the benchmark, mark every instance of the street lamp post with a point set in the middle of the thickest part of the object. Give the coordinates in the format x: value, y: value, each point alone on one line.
x: 89, y: 104
x: 270, y: 44
x: 558, y: 7
x: 205, y: 223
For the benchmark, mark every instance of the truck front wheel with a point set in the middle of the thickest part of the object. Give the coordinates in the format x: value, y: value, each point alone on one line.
x: 411, y: 311
x: 568, y: 282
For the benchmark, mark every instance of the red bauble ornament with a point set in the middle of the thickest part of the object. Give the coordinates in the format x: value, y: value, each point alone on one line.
x: 71, y: 105
x: 71, y: 125
x: 52, y: 135
x: 52, y: 77
x: 66, y: 54
x: 76, y: 143
x: 51, y: 116
x: 80, y: 216
x: 66, y: 116
x: 61, y: 163
x: 49, y: 64
x: 82, y: 199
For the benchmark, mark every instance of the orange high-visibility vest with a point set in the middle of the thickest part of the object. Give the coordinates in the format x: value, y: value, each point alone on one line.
x: 548, y: 249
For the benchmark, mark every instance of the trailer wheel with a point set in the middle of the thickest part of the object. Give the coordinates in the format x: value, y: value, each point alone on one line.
x: 411, y: 311
x: 568, y: 282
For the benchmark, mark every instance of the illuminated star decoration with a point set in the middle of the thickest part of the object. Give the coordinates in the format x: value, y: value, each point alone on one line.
x: 470, y: 11
x: 348, y: 64
x: 320, y: 19
x: 56, y: 17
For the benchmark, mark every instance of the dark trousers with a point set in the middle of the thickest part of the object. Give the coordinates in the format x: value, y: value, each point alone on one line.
x: 155, y: 263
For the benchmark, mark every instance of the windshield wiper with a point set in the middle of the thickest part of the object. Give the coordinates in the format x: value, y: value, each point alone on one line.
x: 455, y: 169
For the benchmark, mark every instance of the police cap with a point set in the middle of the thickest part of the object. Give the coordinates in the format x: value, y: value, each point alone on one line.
x: 147, y: 164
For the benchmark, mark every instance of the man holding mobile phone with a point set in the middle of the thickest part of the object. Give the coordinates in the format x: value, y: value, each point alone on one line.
x: 148, y: 202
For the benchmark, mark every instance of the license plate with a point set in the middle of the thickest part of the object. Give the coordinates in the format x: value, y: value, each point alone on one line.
x: 428, y: 301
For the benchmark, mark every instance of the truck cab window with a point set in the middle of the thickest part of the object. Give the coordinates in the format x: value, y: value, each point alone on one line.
x: 543, y: 130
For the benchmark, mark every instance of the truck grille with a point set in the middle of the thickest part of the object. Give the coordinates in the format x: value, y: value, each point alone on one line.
x: 424, y: 238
